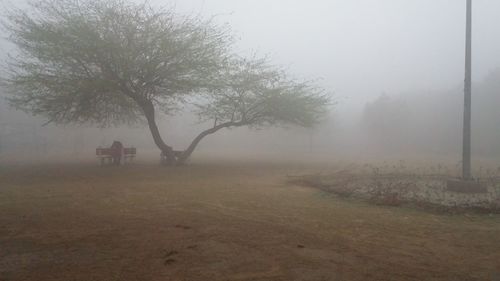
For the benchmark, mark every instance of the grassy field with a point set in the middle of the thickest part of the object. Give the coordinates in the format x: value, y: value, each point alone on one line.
x: 225, y: 221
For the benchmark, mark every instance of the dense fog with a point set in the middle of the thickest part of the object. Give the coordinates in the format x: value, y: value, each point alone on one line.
x: 395, y: 69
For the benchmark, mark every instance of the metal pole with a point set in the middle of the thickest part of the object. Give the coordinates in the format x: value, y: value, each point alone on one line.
x: 466, y: 157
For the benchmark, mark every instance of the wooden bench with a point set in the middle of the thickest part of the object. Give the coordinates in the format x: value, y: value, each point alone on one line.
x: 106, y: 155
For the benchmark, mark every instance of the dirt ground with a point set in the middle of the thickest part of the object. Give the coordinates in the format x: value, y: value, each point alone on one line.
x: 226, y: 221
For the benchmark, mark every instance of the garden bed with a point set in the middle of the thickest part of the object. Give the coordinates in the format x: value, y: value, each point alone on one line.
x: 428, y: 192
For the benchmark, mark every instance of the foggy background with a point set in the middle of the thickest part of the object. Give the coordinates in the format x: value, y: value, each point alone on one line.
x: 396, y: 69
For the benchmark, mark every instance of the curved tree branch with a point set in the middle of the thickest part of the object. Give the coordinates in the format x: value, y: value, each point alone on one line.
x: 187, y: 153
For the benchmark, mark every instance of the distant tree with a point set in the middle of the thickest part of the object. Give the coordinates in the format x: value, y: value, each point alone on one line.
x: 387, y: 120
x: 113, y: 62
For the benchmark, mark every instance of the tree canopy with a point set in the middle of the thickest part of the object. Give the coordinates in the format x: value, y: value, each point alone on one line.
x: 113, y: 62
x: 256, y: 94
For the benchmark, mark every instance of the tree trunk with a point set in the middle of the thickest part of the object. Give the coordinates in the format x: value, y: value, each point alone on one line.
x: 187, y: 153
x: 149, y: 112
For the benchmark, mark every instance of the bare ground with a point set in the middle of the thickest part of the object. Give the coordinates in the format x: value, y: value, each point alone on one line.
x: 222, y: 222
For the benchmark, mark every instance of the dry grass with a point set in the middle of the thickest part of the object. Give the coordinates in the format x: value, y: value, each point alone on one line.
x: 222, y: 222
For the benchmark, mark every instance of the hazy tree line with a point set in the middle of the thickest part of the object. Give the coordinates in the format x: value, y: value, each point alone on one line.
x: 431, y: 122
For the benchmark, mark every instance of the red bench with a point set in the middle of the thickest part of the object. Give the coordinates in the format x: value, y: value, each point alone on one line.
x: 107, y: 155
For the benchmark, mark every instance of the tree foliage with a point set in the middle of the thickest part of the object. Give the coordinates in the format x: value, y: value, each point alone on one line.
x: 257, y: 94
x: 99, y: 61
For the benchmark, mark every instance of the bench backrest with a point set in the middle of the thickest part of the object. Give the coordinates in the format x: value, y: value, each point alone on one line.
x: 105, y: 151
x: 129, y: 151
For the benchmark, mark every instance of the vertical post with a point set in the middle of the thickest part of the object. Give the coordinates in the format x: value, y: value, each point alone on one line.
x: 466, y: 157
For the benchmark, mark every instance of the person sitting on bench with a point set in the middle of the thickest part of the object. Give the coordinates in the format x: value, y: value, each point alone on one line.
x: 117, y: 147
